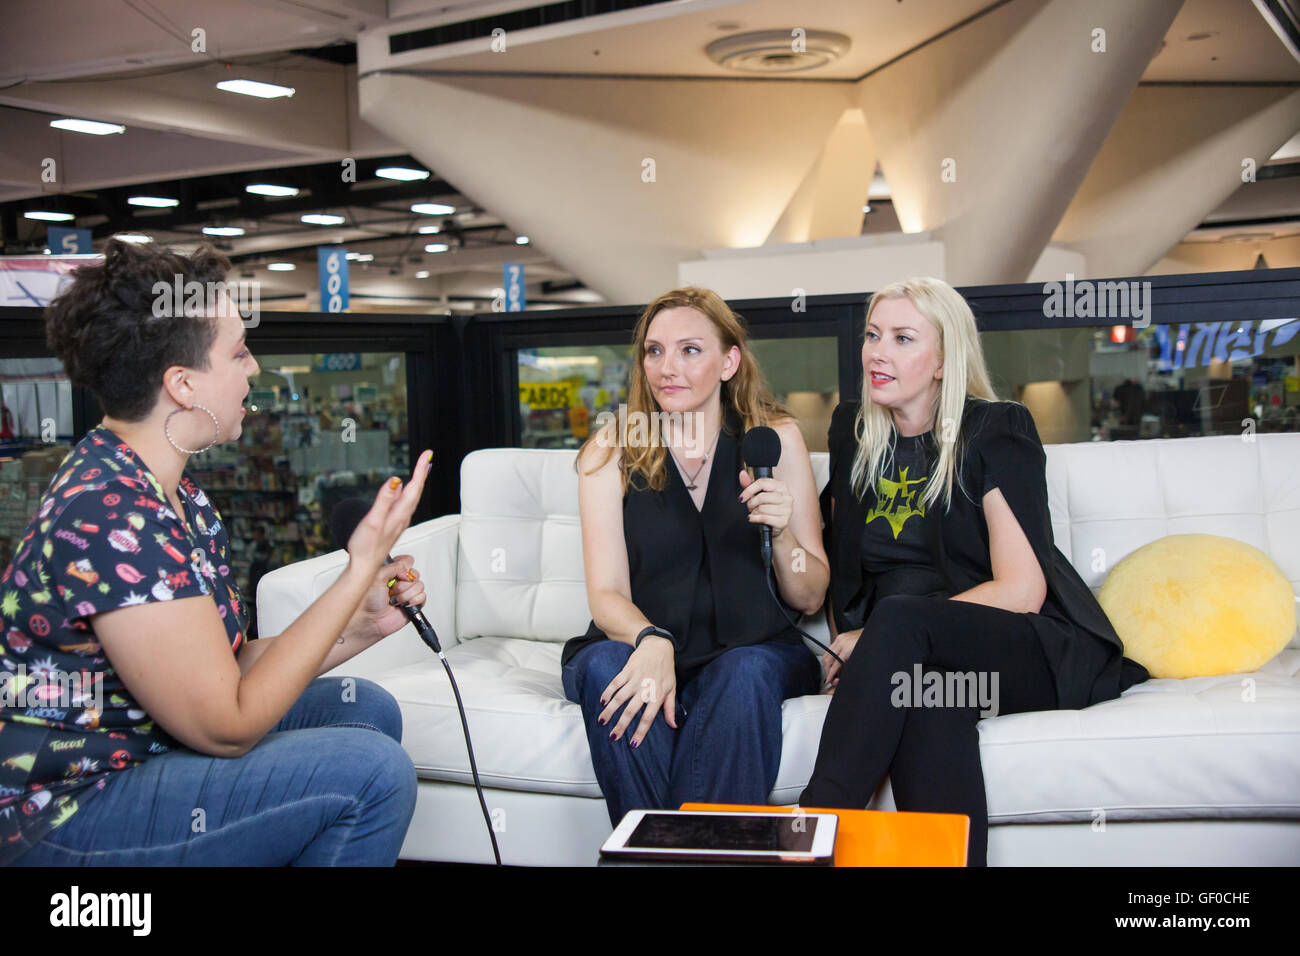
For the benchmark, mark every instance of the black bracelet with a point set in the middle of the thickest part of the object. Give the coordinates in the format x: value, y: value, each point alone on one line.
x: 652, y: 631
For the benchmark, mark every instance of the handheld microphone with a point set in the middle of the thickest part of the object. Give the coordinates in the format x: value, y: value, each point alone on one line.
x: 761, y: 449
x: 346, y: 516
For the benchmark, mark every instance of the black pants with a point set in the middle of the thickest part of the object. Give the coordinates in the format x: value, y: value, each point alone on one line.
x: 875, y: 727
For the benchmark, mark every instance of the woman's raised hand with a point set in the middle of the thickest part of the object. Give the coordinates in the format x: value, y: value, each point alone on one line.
x: 388, y: 517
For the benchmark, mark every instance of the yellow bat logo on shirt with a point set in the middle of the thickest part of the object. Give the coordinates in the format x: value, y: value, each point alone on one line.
x: 896, y: 501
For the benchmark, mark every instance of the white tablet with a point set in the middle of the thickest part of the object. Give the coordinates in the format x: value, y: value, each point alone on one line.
x: 723, y: 837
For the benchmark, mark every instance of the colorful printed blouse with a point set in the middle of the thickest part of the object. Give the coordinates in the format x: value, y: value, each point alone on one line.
x: 105, y: 537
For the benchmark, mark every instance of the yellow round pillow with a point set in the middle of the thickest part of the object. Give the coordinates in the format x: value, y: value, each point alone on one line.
x: 1196, y: 605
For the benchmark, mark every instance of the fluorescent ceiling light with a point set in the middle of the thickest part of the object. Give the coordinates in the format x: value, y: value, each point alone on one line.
x: 426, y: 230
x: 153, y: 202
x: 223, y: 230
x: 133, y: 237
x: 436, y: 247
x: 87, y: 126
x: 263, y: 189
x: 49, y: 216
x: 253, y: 88
x: 422, y: 274
x: 402, y: 173
x: 321, y: 219
x: 361, y: 256
x: 281, y: 266
x: 521, y: 240
x: 433, y: 208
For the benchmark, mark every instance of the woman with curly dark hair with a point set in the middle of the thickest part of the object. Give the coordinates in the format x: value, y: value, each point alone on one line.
x: 139, y: 726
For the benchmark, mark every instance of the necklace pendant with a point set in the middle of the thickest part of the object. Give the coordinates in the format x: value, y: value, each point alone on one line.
x: 691, y: 487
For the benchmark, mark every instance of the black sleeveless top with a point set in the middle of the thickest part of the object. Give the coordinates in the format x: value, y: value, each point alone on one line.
x: 697, y: 572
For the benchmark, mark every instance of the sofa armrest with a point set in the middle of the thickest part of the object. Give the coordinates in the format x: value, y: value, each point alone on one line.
x: 286, y: 592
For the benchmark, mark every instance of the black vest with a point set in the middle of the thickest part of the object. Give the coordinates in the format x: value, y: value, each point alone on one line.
x: 697, y: 572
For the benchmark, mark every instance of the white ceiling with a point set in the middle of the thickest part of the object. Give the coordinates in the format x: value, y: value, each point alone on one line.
x: 133, y: 62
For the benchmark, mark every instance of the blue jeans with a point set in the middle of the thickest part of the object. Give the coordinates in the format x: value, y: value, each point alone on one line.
x: 727, y: 748
x: 329, y: 786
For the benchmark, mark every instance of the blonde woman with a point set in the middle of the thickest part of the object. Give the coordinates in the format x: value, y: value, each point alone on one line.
x: 683, y: 670
x: 951, y: 601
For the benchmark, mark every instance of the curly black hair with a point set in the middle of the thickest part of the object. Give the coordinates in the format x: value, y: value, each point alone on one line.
x: 105, y: 330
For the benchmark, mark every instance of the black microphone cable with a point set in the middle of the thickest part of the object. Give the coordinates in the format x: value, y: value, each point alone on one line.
x: 347, y: 515
x: 770, y: 577
x: 432, y: 640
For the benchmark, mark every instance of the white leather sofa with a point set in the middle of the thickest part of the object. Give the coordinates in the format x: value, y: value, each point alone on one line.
x: 1175, y: 772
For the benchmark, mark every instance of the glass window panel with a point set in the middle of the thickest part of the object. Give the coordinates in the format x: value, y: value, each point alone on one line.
x: 35, y: 435
x: 1164, y: 381
x: 320, y: 428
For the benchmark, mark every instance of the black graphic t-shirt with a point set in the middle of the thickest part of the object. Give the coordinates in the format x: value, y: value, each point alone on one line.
x: 104, y: 537
x: 900, y: 539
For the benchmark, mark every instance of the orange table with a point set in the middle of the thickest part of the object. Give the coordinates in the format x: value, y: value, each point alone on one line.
x: 880, y: 838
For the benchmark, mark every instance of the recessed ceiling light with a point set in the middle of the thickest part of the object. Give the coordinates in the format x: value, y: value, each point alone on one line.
x: 422, y: 274
x: 135, y: 237
x: 49, y: 216
x: 321, y: 219
x: 433, y: 208
x: 223, y: 230
x: 426, y: 230
x: 436, y: 247
x: 281, y: 266
x: 403, y: 173
x: 153, y: 202
x: 521, y: 240
x: 253, y: 88
x: 265, y: 189
x: 87, y: 126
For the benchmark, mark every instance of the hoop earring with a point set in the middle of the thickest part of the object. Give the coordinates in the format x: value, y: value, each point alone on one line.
x: 186, y: 451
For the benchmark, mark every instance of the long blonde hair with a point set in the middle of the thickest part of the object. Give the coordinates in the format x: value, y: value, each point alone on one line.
x: 746, y: 393
x: 964, y: 375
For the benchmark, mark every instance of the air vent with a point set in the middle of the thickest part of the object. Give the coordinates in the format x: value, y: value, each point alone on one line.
x: 543, y: 15
x: 778, y: 51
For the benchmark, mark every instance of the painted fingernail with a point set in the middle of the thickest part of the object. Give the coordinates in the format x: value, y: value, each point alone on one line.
x: 635, y: 743
x: 393, y: 482
x: 611, y: 736
x: 601, y: 721
x: 410, y: 575
x: 391, y: 583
